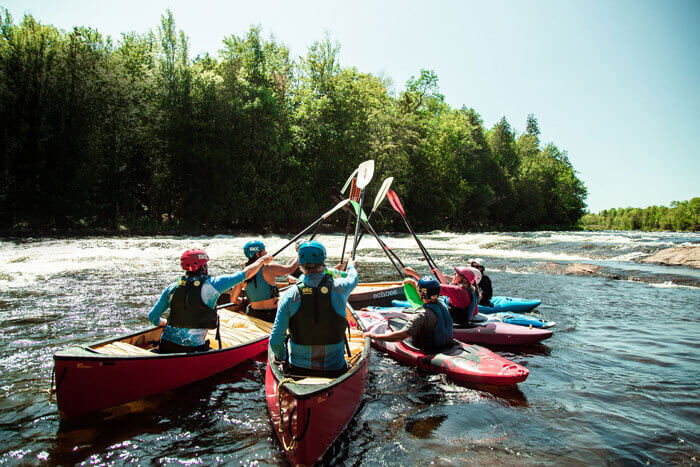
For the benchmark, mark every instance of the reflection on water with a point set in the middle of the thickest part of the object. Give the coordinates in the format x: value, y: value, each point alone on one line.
x: 617, y: 383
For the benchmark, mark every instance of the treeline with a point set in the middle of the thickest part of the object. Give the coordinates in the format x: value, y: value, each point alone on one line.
x: 681, y: 216
x: 136, y: 135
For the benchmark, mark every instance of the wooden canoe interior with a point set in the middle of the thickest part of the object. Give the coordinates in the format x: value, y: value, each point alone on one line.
x: 236, y: 329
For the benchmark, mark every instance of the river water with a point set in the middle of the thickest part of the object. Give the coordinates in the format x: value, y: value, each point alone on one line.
x: 618, y: 383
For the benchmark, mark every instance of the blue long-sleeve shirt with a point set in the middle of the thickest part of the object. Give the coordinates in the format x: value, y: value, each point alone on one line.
x: 318, y: 357
x: 212, y: 288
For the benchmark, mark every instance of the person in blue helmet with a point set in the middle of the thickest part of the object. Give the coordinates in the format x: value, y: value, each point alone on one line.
x: 313, y: 311
x: 192, y: 303
x: 261, y: 289
x: 431, y: 327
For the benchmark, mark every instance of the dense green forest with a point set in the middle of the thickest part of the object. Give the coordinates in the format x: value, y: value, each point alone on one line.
x: 682, y: 215
x: 137, y: 135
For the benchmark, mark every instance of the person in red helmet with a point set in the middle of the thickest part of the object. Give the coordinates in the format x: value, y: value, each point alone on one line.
x: 463, y: 292
x: 192, y: 302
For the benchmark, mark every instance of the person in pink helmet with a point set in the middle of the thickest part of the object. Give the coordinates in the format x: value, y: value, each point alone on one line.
x: 462, y: 292
x: 485, y: 289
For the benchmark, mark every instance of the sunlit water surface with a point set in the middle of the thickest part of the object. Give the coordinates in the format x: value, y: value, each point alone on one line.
x: 619, y: 382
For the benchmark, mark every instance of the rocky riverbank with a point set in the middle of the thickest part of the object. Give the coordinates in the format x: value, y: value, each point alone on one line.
x: 676, y: 256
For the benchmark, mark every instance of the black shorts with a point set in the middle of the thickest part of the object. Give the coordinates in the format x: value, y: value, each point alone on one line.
x: 265, y: 315
x: 171, y: 347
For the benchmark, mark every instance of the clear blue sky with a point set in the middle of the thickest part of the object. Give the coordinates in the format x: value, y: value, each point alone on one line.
x: 615, y: 83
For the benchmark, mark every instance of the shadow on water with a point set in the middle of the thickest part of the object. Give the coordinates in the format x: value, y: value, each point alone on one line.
x: 189, y: 409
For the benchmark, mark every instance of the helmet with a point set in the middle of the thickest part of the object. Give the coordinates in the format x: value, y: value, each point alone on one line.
x: 428, y: 287
x: 477, y: 274
x: 466, y: 272
x: 192, y: 260
x: 253, y: 247
x: 478, y: 261
x: 312, y: 252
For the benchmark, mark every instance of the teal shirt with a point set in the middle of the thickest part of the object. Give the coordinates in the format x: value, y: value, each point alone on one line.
x: 318, y: 357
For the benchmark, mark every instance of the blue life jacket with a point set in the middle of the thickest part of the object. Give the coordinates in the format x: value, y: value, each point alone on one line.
x: 442, y: 334
x: 257, y: 288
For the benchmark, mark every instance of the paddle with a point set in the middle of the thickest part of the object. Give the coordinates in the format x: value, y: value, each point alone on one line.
x: 377, y: 201
x: 396, y: 204
x: 351, y: 195
x: 368, y: 227
x: 364, y: 175
x: 316, y: 222
x: 412, y: 295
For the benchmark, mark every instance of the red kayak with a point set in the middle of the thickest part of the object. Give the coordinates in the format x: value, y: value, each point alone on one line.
x: 124, y: 369
x: 316, y: 410
x: 462, y: 362
x: 482, y: 330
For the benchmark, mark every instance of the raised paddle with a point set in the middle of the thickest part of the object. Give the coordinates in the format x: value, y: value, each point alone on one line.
x: 368, y: 228
x: 355, y: 196
x: 396, y: 204
x: 365, y: 171
x: 377, y: 201
x: 314, y: 224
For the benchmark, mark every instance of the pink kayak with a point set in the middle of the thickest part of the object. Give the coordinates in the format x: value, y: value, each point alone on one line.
x: 461, y: 362
x: 482, y: 330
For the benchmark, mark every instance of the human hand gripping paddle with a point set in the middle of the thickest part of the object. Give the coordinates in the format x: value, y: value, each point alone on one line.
x: 396, y: 204
x: 365, y: 171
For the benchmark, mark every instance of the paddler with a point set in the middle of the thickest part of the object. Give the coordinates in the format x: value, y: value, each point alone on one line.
x: 261, y: 289
x: 462, y: 293
x: 431, y: 327
x: 313, y: 311
x: 485, y: 284
x: 192, y: 302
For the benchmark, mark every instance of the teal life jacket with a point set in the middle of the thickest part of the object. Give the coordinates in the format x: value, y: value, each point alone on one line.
x: 257, y: 289
x: 442, y: 334
x: 187, y: 309
x: 316, y: 322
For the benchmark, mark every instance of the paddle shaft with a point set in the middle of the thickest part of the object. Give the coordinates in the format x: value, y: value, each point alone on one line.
x: 314, y: 224
x: 357, y: 226
x: 368, y: 228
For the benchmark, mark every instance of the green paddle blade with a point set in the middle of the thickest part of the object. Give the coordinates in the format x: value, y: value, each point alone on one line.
x: 409, y: 289
x: 357, y: 209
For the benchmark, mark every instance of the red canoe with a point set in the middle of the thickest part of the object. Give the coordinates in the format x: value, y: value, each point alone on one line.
x: 462, y: 362
x: 316, y: 410
x: 117, y: 371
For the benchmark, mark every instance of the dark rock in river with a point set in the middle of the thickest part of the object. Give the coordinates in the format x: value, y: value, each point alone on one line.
x: 676, y: 256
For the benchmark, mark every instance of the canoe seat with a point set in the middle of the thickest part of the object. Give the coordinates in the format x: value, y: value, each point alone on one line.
x: 121, y: 348
x: 237, y: 329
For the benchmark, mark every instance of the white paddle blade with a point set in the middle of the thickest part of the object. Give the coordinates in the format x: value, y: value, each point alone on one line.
x: 347, y: 182
x: 335, y: 208
x: 364, y: 173
x: 382, y: 193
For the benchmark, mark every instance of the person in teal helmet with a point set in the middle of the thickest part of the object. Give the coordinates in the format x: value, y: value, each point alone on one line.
x: 261, y: 289
x: 313, y: 313
x: 431, y: 327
